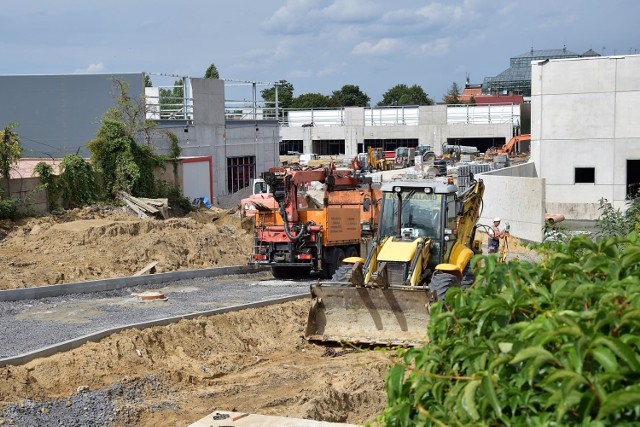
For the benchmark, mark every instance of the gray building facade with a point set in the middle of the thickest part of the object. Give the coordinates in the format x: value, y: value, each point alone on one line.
x: 59, y: 114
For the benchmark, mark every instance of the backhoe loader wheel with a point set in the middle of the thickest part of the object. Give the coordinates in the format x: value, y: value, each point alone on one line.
x: 468, y: 277
x: 441, y: 282
x: 340, y: 274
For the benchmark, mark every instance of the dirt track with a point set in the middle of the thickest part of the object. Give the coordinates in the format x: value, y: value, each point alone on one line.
x: 250, y: 361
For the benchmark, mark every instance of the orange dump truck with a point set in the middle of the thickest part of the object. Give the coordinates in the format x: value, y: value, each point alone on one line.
x: 304, y: 235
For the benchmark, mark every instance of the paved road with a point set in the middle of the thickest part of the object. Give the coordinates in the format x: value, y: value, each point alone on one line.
x: 32, y: 324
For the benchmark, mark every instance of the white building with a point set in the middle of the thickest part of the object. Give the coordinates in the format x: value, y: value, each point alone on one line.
x: 585, y: 125
x: 351, y: 130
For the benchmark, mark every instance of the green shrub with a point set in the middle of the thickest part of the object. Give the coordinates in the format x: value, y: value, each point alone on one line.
x: 553, y: 343
x: 8, y: 209
x: 614, y: 222
x: 77, y: 181
x: 48, y: 183
x: 125, y: 165
x: 179, y: 204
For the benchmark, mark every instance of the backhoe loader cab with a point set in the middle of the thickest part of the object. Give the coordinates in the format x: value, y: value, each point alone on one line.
x: 424, y: 243
x: 411, y: 210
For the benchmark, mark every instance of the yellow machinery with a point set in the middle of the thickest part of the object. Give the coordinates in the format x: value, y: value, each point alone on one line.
x: 377, y: 161
x: 425, y: 240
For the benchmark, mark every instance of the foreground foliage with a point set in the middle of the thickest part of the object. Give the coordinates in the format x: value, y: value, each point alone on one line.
x: 617, y: 222
x: 554, y: 343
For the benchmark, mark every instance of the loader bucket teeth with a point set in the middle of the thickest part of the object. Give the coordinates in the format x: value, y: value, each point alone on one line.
x: 376, y: 316
x: 356, y: 275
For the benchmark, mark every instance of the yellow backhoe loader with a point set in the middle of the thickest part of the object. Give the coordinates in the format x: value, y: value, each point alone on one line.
x: 425, y: 240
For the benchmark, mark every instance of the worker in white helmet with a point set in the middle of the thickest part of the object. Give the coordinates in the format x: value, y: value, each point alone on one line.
x: 494, y: 236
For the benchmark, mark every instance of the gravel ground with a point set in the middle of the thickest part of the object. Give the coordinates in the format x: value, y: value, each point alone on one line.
x: 33, y: 324
x: 103, y: 407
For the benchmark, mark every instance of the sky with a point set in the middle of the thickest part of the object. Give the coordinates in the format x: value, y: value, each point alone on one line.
x: 316, y: 45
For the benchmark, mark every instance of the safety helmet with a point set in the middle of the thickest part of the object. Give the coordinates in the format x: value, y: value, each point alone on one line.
x: 496, y: 219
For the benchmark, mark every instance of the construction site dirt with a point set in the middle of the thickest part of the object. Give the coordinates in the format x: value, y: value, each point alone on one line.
x: 255, y: 360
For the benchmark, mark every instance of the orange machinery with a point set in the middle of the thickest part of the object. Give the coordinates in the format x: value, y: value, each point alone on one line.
x: 510, y: 147
x: 302, y: 236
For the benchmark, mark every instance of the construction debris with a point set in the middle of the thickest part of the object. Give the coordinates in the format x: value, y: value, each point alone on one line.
x: 149, y: 268
x: 146, y: 207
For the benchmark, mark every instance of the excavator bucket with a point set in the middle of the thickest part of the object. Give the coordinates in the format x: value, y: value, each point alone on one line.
x: 394, y: 316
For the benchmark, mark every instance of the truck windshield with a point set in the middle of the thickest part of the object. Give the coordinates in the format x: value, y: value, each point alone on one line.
x: 402, y: 152
x: 418, y: 211
x: 260, y: 187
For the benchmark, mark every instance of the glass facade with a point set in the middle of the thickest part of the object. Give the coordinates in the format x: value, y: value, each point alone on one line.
x: 516, y: 80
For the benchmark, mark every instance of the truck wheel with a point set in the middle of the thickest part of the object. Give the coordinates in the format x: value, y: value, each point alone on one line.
x: 290, y: 272
x: 351, y: 251
x: 278, y: 272
x: 336, y: 259
x: 333, y: 261
x: 441, y: 282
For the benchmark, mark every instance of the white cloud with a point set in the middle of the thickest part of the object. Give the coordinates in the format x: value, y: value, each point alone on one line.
x: 351, y: 11
x: 301, y: 74
x: 438, y: 14
x: 296, y: 16
x: 326, y: 71
x: 330, y: 70
x: 435, y: 47
x: 91, y: 69
x: 383, y: 47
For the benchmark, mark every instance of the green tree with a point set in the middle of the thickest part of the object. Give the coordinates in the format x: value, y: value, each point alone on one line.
x: 124, y: 165
x: 10, y: 151
x: 285, y: 94
x: 402, y: 94
x: 453, y: 94
x: 172, y: 101
x: 212, y: 72
x: 350, y: 96
x: 147, y: 81
x: 10, y: 154
x: 131, y: 113
x: 313, y: 100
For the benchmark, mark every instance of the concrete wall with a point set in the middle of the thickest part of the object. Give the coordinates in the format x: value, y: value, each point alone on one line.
x: 584, y: 114
x: 516, y: 195
x: 431, y: 129
x: 211, y: 135
x: 24, y: 191
x: 59, y: 114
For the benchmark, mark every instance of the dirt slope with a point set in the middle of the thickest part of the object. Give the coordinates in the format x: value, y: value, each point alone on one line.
x: 253, y: 361
x: 250, y: 361
x: 103, y: 242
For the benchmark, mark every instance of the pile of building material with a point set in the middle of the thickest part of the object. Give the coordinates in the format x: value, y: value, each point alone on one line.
x: 143, y: 207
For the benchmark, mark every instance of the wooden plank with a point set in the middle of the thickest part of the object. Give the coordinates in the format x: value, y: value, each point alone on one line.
x: 147, y: 268
x: 140, y: 203
x: 135, y: 208
x: 155, y: 202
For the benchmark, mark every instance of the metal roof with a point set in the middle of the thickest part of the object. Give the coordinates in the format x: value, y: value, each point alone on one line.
x: 548, y: 53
